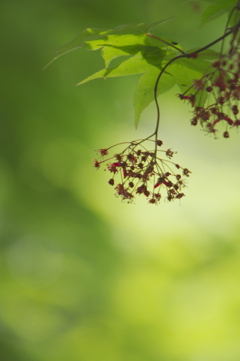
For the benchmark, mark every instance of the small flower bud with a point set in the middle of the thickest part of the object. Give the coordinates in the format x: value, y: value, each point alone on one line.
x: 169, y: 153
x: 180, y: 195
x: 186, y: 172
x: 199, y: 84
x: 235, y: 109
x: 216, y: 64
x: 226, y: 135
x: 194, y: 122
x: 118, y: 157
x: 111, y: 182
x: 157, y: 196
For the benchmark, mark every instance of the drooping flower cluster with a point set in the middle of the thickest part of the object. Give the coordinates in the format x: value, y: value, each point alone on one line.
x: 138, y: 171
x: 221, y: 87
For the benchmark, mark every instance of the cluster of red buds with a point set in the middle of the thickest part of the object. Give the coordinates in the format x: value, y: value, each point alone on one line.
x: 143, y: 172
x: 220, y: 88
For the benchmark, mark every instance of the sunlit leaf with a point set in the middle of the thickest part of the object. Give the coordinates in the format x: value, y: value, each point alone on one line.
x: 153, y: 55
x: 115, y: 40
x: 129, y: 36
x: 109, y: 53
x: 134, y: 65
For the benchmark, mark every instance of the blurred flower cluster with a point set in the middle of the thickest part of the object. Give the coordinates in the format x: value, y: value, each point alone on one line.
x: 222, y: 87
x: 139, y: 171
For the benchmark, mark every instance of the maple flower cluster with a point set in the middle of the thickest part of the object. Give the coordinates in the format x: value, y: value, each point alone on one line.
x: 221, y: 87
x: 138, y: 171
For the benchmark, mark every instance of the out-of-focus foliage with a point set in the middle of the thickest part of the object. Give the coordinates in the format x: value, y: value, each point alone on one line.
x: 83, y: 277
x: 216, y: 9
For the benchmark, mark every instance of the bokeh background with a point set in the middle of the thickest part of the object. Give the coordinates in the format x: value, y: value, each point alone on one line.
x: 83, y: 276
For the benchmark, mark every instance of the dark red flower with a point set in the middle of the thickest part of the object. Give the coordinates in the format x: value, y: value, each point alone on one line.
x: 103, y: 152
x: 96, y: 163
x: 113, y: 167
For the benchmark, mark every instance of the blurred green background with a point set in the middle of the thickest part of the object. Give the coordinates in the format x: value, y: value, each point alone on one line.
x: 83, y: 276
